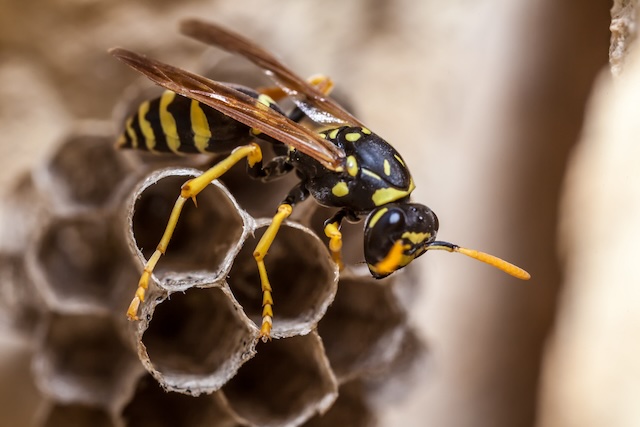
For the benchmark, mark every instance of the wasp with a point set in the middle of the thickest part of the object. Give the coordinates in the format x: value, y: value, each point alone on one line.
x: 339, y: 161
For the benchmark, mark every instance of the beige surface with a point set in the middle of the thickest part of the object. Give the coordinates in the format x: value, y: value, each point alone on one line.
x: 484, y: 100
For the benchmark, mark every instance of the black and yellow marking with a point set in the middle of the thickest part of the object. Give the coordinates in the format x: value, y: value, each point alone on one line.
x: 347, y: 167
x: 376, y: 216
x: 352, y: 166
x: 199, y: 126
x: 341, y: 189
x: 178, y: 125
x: 382, y: 196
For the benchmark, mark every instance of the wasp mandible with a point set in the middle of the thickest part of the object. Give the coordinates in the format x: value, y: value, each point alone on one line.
x: 341, y: 164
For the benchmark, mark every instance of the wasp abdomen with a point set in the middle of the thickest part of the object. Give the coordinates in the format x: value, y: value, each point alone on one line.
x: 179, y: 125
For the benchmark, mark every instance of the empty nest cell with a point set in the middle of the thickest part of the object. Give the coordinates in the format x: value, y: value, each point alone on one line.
x: 81, y: 359
x: 197, y: 340
x: 85, y: 171
x: 287, y: 382
x: 205, y: 239
x: 81, y: 264
x: 301, y: 273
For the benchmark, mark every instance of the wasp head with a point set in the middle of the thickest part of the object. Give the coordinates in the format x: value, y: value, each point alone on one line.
x: 395, y: 234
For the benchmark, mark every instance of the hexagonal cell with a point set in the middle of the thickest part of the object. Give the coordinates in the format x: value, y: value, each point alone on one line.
x: 81, y: 264
x: 301, y: 273
x: 85, y: 171
x: 364, y: 327
x: 82, y: 360
x: 350, y: 409
x: 205, y: 239
x: 285, y: 384
x: 152, y: 406
x: 197, y: 340
x: 76, y: 415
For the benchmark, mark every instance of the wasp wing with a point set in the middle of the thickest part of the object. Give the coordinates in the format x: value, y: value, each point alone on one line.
x: 236, y: 105
x: 311, y: 101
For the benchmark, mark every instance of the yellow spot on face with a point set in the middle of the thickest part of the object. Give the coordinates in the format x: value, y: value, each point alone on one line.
x: 334, y: 133
x: 393, y: 260
x: 365, y: 131
x: 377, y: 216
x: 387, y: 167
x: 132, y: 134
x: 383, y: 196
x: 415, y: 238
x: 340, y: 189
x: 352, y: 166
x: 200, y: 127
x: 399, y: 159
x: 168, y: 122
x: 145, y: 126
x: 353, y: 136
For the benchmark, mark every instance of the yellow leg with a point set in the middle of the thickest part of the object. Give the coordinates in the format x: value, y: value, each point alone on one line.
x: 190, y: 190
x: 284, y: 210
x: 321, y: 82
x: 335, y: 243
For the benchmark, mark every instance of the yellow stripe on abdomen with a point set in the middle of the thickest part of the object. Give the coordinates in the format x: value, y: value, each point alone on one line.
x: 168, y: 122
x: 131, y: 133
x: 145, y: 126
x: 200, y: 127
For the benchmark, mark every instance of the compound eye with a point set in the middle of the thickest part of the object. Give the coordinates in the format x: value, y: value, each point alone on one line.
x: 383, y: 228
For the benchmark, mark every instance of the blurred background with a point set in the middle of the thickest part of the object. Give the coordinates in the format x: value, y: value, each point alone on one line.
x: 487, y: 101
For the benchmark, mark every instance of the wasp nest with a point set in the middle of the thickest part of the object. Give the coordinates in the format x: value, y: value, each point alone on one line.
x: 83, y: 225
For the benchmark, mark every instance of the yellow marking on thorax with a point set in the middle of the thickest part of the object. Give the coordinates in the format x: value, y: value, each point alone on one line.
x: 387, y: 167
x: 168, y: 122
x: 352, y: 166
x: 334, y: 133
x: 353, y: 136
x: 377, y: 216
x: 398, y: 158
x: 371, y: 174
x: 145, y: 126
x: 200, y: 127
x: 340, y: 189
x: 366, y: 131
x: 131, y: 133
x: 415, y: 238
x: 383, y: 196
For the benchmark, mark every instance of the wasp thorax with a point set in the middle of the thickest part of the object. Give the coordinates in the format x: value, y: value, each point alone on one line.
x: 395, y: 234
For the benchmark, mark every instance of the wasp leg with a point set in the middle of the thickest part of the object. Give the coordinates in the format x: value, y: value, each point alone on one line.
x: 190, y: 190
x: 296, y: 195
x: 321, y: 82
x: 332, y: 231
